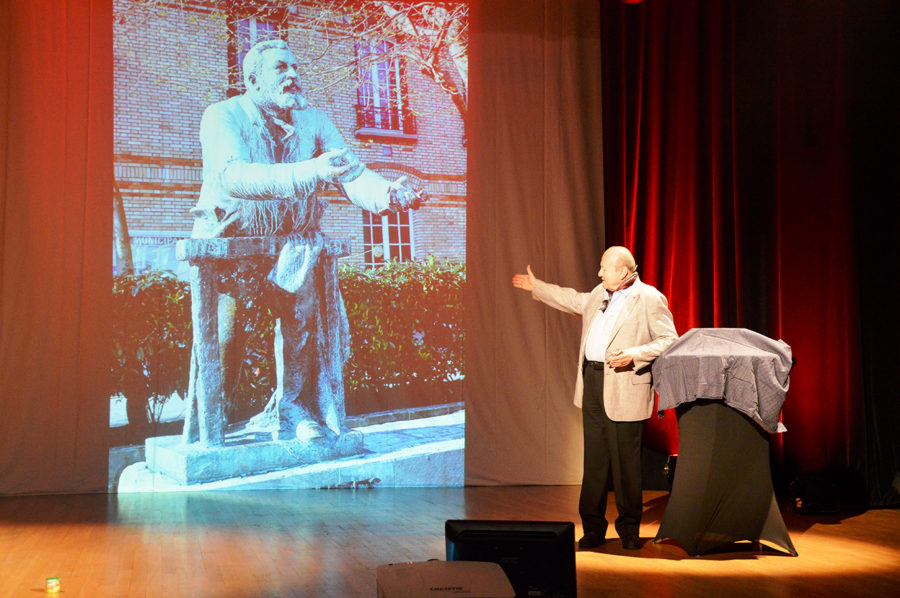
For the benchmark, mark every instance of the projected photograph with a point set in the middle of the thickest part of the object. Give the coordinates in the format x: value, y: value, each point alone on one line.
x: 289, y: 244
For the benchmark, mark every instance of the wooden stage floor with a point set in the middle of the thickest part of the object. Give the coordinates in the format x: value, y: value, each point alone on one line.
x: 329, y: 542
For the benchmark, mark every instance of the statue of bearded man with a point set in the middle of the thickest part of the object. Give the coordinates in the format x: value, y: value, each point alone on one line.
x: 265, y: 155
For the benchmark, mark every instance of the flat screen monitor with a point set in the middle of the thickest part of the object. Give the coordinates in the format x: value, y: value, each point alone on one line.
x: 538, y: 557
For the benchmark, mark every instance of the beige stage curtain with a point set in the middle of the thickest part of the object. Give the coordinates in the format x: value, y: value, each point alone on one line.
x: 55, y: 257
x: 536, y: 197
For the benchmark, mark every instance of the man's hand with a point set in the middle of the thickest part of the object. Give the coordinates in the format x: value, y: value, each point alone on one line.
x: 619, y: 359
x: 333, y: 164
x: 525, y: 281
x: 404, y: 196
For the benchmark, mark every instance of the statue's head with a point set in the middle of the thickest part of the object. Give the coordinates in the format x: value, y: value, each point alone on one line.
x: 272, y: 78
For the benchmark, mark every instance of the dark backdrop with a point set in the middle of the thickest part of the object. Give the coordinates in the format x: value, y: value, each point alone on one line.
x: 751, y: 162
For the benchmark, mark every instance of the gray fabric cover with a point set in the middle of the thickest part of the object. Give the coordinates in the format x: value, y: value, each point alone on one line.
x: 744, y: 369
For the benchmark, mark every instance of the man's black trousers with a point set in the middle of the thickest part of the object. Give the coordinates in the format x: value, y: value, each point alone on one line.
x: 612, y: 453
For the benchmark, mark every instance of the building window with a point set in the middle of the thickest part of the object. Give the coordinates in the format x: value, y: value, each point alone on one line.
x: 387, y: 238
x: 382, y: 109
x: 244, y: 33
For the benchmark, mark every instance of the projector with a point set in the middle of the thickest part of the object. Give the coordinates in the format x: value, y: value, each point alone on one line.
x: 440, y: 579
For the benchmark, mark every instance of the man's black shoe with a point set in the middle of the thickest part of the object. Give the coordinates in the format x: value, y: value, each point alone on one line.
x: 591, y: 540
x: 631, y: 543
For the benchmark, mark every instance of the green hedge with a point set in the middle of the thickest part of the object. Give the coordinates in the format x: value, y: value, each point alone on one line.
x: 405, y: 324
x: 151, y: 329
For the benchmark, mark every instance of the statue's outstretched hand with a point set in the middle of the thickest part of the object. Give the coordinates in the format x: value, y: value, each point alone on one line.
x: 404, y: 196
x: 333, y: 164
x: 525, y: 281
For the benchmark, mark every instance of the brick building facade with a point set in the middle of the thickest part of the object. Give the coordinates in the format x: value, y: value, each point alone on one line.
x: 172, y: 61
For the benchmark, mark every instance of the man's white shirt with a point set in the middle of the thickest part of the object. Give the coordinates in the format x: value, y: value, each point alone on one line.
x: 602, y: 325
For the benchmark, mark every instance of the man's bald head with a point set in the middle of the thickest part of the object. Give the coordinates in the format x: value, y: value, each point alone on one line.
x: 616, y: 265
x: 622, y: 257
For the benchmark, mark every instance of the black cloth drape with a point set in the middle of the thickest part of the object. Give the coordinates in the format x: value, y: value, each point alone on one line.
x: 873, y: 58
x: 722, y: 491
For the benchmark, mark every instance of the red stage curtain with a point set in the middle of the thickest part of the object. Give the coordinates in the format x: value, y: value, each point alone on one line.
x: 727, y: 173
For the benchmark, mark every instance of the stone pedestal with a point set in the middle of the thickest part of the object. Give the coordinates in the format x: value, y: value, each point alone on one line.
x: 242, y: 454
x: 420, y: 452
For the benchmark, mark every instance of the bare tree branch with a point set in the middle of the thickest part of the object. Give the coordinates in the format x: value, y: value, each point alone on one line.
x: 429, y: 35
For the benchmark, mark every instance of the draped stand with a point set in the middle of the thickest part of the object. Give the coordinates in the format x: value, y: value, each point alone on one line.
x: 722, y: 492
x: 727, y: 386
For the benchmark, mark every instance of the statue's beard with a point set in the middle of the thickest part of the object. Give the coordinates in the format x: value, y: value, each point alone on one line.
x: 281, y: 98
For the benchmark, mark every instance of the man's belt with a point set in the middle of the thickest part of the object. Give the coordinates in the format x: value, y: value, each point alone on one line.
x: 597, y: 365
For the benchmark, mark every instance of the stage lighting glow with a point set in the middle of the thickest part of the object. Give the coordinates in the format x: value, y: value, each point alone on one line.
x: 844, y: 557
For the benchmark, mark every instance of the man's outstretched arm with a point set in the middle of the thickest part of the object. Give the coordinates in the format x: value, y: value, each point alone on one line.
x: 563, y: 299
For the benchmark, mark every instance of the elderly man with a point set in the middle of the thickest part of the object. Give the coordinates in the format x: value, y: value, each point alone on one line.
x: 626, y: 324
x: 265, y: 154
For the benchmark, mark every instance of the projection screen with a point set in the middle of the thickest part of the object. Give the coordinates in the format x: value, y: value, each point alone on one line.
x: 289, y: 244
